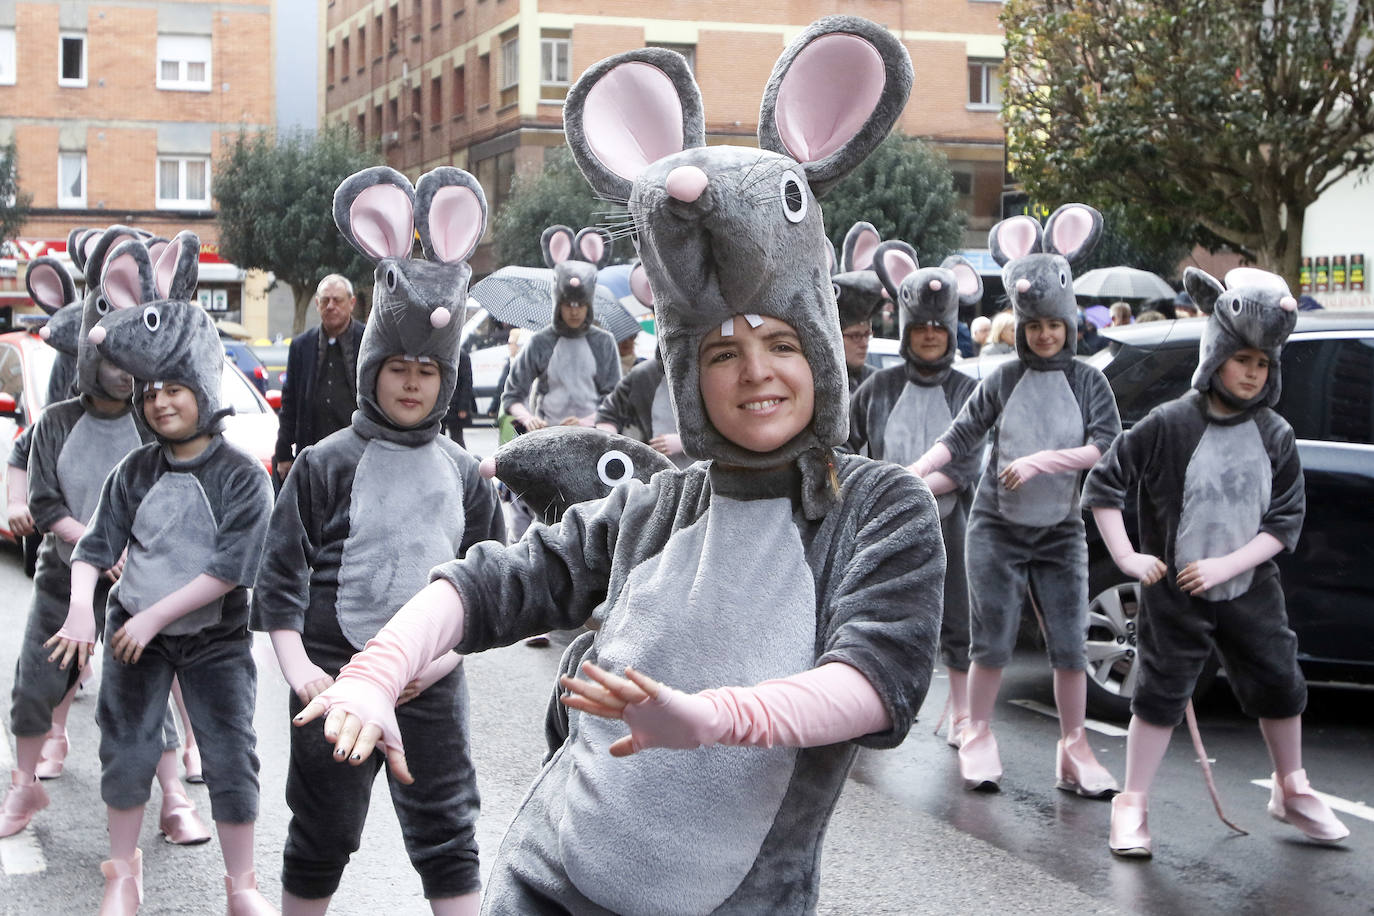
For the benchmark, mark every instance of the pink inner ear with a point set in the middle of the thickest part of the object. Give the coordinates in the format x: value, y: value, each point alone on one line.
x: 560, y: 247
x: 1071, y: 230
x: 121, y: 283
x: 828, y: 94
x: 383, y: 221
x: 639, y: 285
x: 164, y: 266
x: 966, y: 278
x: 898, y: 265
x: 455, y: 223
x: 90, y: 243
x: 632, y: 117
x: 1017, y: 236
x: 47, y: 286
x: 593, y: 246
x: 864, y: 246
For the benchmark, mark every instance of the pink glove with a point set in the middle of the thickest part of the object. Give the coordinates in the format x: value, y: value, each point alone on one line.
x: 77, y: 634
x: 522, y: 413
x: 668, y: 443
x: 1201, y: 575
x: 935, y: 458
x: 434, y: 672
x: 824, y: 705
x: 68, y: 529
x: 20, y: 518
x: 306, y: 679
x: 128, y: 644
x: 1049, y: 461
x: 1143, y: 566
x: 940, y: 483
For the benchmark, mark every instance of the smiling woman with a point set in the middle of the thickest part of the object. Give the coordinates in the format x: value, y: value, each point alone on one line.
x: 756, y: 384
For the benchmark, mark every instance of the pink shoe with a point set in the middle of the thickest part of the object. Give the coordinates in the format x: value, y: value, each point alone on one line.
x: 979, y: 762
x: 1293, y: 802
x: 1077, y: 770
x: 123, y: 885
x: 190, y: 759
x: 954, y: 730
x: 1130, y: 835
x: 22, y: 802
x: 179, y: 821
x: 52, y: 757
x: 244, y: 898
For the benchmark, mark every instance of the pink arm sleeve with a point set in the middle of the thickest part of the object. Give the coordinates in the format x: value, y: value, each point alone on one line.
x: 1112, y: 527
x: 1261, y: 547
x: 199, y: 592
x: 937, y: 457
x: 519, y: 411
x: 68, y: 529
x: 1064, y: 459
x: 824, y: 705
x: 80, y: 623
x: 17, y: 486
x: 295, y: 665
x: 940, y: 483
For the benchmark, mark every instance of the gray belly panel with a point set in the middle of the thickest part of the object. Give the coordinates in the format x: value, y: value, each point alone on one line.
x: 1041, y: 413
x: 172, y: 541
x: 93, y: 448
x: 919, y: 417
x: 730, y: 601
x: 1226, y: 491
x: 571, y: 381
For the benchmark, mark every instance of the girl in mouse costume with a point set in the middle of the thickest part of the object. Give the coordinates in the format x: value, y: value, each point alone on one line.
x: 1051, y: 417
x: 360, y: 520
x: 75, y: 444
x: 1221, y: 493
x: 858, y: 295
x: 776, y: 560
x: 897, y: 414
x: 180, y: 609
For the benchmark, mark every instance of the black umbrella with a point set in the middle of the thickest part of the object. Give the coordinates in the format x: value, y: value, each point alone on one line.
x: 523, y: 296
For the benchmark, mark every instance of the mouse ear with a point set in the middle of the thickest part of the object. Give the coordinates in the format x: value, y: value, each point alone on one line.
x: 49, y: 284
x: 557, y: 244
x: 966, y: 277
x: 893, y: 262
x: 1073, y: 231
x: 834, y: 95
x: 126, y: 277
x: 450, y: 215
x: 74, y: 249
x: 375, y: 211
x: 176, y: 267
x: 860, y: 244
x: 1014, y: 237
x: 1203, y: 287
x: 629, y: 111
x: 832, y: 263
x: 98, y: 246
x: 639, y: 285
x: 593, y: 244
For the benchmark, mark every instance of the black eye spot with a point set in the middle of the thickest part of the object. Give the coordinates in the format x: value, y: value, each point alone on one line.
x: 1063, y: 279
x: 151, y: 319
x: 1235, y: 306
x: 391, y: 279
x: 615, y: 467
x: 101, y: 305
x: 793, y: 197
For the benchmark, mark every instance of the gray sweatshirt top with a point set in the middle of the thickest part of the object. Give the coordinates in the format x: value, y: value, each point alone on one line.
x: 709, y: 577
x: 556, y: 377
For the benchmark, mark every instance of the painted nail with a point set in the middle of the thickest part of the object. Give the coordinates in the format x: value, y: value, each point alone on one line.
x: 356, y: 757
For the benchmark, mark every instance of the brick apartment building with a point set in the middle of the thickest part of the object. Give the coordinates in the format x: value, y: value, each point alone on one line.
x: 479, y: 83
x: 116, y: 109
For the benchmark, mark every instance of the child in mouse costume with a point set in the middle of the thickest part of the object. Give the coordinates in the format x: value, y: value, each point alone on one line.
x: 858, y: 295
x: 776, y: 560
x: 1221, y: 493
x: 360, y: 520
x: 899, y: 412
x: 1051, y: 417
x: 75, y: 444
x: 192, y: 512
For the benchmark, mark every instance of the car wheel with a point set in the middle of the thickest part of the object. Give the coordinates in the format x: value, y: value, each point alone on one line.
x: 1113, y: 663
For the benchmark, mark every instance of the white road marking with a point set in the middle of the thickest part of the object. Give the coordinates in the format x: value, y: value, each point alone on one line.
x: 1102, y: 728
x: 1353, y: 808
x: 19, y: 854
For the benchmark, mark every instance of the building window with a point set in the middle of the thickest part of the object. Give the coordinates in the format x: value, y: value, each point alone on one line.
x: 438, y: 14
x: 72, y: 59
x: 555, y: 60
x: 378, y: 37
x: 483, y: 80
x: 436, y: 101
x: 377, y: 126
x: 510, y: 62
x: 343, y: 58
x: 8, y: 64
x: 687, y: 51
x: 963, y: 183
x: 329, y: 67
x: 394, y: 20
x: 71, y: 180
x: 460, y: 92
x: 416, y: 115
x: 183, y: 62
x: 985, y: 84
x: 183, y: 183
x: 393, y: 115
x: 362, y: 125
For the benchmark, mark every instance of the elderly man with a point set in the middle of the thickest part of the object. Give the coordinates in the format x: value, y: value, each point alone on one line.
x: 320, y: 391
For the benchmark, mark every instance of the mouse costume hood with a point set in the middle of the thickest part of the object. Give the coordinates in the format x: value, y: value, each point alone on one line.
x: 52, y: 289
x: 927, y: 296
x: 415, y: 302
x: 727, y: 233
x: 95, y: 247
x: 154, y: 332
x: 1037, y: 272
x: 858, y: 291
x: 1253, y: 308
x: 575, y: 260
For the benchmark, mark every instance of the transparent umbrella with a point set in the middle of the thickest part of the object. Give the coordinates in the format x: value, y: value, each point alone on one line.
x: 1121, y: 283
x: 523, y: 296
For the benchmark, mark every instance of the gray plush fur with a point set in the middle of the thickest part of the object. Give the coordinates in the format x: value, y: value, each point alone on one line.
x: 49, y: 285
x: 559, y: 466
x: 1047, y: 266
x: 96, y: 306
x: 418, y: 305
x: 927, y: 295
x: 63, y: 330
x: 858, y: 291
x: 1253, y: 309
x: 752, y: 243
x: 74, y: 250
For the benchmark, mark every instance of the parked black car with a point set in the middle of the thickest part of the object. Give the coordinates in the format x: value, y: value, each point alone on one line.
x: 1328, y: 583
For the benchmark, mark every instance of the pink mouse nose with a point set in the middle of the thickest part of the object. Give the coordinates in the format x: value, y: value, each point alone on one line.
x: 936, y: 286
x: 686, y: 183
x: 487, y: 468
x: 440, y: 317
x: 45, y: 332
x: 97, y: 335
x: 574, y: 281
x: 1288, y: 304
x: 1022, y: 285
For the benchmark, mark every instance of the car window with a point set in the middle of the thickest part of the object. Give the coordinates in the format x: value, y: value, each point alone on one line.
x: 236, y: 392
x: 1142, y: 378
x: 1328, y: 389
x: 11, y: 373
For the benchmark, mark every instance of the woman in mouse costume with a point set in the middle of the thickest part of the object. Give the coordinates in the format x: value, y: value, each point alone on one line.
x: 192, y: 512
x: 1051, y: 417
x: 1220, y: 494
x: 775, y: 560
x: 897, y: 414
x: 361, y: 519
x: 858, y: 295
